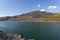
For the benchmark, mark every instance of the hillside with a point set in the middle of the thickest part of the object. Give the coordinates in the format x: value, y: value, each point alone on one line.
x: 35, y: 14
x: 33, y: 17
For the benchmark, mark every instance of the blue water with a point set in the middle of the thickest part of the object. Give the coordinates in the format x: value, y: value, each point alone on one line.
x: 35, y: 30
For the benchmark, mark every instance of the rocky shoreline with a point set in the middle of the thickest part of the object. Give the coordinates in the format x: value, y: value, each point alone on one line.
x: 7, y: 36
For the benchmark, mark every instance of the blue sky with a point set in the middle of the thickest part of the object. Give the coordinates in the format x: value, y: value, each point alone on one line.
x: 16, y: 7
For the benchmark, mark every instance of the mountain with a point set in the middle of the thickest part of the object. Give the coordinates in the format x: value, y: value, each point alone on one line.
x: 5, y: 18
x: 33, y: 16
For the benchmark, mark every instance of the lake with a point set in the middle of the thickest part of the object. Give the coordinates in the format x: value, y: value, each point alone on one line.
x: 35, y: 30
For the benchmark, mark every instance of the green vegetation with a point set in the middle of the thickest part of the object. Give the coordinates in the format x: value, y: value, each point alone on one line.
x: 54, y: 17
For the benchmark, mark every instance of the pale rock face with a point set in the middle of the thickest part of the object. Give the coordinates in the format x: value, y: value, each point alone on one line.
x: 19, y: 36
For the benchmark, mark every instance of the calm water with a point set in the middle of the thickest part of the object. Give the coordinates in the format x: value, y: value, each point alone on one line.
x: 37, y: 31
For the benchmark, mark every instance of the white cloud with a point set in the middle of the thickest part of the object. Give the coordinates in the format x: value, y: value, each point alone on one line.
x: 42, y: 10
x: 38, y: 5
x: 52, y: 7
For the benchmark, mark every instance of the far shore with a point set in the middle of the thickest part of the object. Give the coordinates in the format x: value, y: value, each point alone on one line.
x: 29, y: 21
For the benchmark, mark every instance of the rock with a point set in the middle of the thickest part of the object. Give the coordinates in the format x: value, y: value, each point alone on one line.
x: 8, y: 36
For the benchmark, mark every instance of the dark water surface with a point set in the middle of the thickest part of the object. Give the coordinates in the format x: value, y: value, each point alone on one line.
x: 35, y: 30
